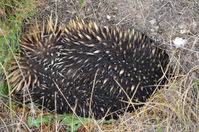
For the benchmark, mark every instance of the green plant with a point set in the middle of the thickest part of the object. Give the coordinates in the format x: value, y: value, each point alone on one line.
x: 14, y: 13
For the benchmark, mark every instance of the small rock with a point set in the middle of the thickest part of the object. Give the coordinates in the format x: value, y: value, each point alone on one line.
x: 183, y: 31
x: 152, y: 22
x: 108, y: 17
x: 179, y: 42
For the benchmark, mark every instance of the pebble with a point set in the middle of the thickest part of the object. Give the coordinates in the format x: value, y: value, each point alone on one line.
x: 179, y: 42
x: 108, y: 17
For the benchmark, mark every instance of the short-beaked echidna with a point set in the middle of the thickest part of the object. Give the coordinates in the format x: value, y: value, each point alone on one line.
x: 88, y: 69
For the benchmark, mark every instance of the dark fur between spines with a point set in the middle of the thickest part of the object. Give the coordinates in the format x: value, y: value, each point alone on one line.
x: 89, y: 69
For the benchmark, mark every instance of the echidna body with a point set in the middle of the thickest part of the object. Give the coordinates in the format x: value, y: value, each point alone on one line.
x: 87, y: 69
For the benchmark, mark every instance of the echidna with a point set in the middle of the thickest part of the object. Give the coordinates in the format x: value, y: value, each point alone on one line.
x: 88, y: 69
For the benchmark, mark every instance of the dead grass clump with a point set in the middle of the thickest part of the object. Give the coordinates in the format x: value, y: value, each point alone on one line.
x: 174, y: 108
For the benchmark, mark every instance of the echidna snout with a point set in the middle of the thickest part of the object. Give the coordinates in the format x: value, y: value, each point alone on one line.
x: 86, y: 68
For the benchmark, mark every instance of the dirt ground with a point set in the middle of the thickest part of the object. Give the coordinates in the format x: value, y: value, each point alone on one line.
x: 162, y: 20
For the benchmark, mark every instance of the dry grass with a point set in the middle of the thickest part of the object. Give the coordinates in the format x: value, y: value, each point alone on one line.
x: 176, y: 106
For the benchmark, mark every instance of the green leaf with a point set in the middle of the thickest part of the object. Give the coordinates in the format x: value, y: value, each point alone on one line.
x: 108, y: 121
x: 3, y: 89
x: 36, y: 122
x: 196, y: 85
x: 73, y: 122
x: 81, y: 2
x: 159, y: 130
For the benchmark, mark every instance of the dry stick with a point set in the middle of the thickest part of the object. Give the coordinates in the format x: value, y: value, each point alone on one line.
x: 10, y: 102
x: 56, y: 117
x: 122, y: 20
x: 90, y: 110
x: 4, y: 125
x: 21, y: 121
x: 186, y: 78
x: 42, y: 114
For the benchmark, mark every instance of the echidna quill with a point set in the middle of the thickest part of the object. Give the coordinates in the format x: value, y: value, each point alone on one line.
x: 87, y: 69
